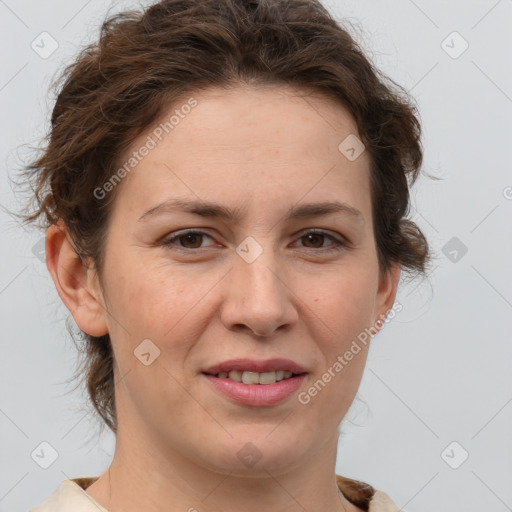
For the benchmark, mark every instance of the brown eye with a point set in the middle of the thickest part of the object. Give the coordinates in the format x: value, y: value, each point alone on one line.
x: 315, y: 239
x: 186, y: 241
x: 193, y: 239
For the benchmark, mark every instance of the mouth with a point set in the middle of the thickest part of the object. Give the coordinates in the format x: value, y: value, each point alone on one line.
x: 251, y: 372
x: 256, y: 383
x: 248, y: 377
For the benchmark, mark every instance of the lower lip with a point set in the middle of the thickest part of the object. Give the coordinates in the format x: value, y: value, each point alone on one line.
x: 257, y: 394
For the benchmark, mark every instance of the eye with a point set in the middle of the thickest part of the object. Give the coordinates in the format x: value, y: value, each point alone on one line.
x: 316, y: 237
x: 188, y: 239
x: 191, y: 240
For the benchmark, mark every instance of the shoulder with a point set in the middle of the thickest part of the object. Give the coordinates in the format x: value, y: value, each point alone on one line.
x: 365, y: 497
x: 70, y: 496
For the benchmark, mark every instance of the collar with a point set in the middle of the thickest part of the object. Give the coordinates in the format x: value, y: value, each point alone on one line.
x: 360, y: 494
x: 364, y: 496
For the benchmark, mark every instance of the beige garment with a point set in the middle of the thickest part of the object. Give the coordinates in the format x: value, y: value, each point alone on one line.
x: 71, y: 497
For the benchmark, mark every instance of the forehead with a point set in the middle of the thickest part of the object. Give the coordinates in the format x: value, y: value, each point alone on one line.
x: 266, y: 116
x: 257, y: 142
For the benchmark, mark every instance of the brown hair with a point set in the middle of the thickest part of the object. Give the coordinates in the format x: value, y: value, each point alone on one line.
x: 145, y: 61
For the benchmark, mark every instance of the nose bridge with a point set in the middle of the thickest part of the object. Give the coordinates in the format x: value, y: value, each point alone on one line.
x: 256, y: 296
x: 256, y: 265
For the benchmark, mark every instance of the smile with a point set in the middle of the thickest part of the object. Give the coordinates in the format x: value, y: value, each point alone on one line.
x: 248, y: 377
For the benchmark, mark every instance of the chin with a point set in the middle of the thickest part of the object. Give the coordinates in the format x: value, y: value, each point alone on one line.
x: 256, y: 456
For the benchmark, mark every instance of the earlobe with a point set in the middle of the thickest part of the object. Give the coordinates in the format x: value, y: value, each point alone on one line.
x: 75, y: 282
x: 386, y: 294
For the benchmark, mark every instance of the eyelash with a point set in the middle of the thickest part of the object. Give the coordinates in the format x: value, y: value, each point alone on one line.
x: 339, y: 244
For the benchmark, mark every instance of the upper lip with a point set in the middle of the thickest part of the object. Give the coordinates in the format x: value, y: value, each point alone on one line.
x: 252, y: 365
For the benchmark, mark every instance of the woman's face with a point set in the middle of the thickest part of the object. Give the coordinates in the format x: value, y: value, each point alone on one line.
x: 251, y: 283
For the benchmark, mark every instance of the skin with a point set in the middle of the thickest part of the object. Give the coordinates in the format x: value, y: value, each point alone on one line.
x: 265, y: 149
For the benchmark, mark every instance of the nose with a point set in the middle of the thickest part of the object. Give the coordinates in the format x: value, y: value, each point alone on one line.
x: 258, y: 296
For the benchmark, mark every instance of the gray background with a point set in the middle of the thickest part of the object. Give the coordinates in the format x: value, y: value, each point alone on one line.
x: 438, y: 373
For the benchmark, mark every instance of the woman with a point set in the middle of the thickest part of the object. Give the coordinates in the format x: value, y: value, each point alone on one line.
x: 198, y: 155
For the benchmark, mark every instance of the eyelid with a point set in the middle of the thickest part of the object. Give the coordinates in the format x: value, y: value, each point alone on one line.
x: 340, y: 242
x: 166, y: 240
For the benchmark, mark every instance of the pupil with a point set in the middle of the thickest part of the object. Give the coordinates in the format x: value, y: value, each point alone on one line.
x: 193, y: 237
x: 313, y: 236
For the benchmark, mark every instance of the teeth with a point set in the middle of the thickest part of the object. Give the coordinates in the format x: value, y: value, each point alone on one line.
x: 235, y: 375
x: 255, y: 377
x: 266, y: 378
x: 251, y: 378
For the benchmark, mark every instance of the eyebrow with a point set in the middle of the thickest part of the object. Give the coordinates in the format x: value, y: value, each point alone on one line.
x: 214, y: 210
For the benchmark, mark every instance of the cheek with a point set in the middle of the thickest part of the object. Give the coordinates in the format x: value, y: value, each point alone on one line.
x: 341, y: 309
x: 160, y: 303
x: 343, y: 302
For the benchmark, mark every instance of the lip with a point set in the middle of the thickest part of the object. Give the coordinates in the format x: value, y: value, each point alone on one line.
x: 251, y: 365
x: 257, y: 395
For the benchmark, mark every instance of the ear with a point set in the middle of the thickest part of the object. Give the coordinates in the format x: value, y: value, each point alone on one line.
x: 386, y: 294
x: 76, y: 283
